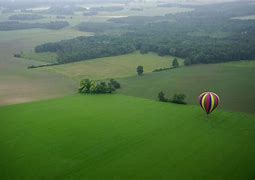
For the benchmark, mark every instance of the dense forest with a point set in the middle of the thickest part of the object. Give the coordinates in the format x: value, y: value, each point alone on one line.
x: 15, y: 25
x: 83, y: 48
x: 209, y: 34
x: 99, y: 27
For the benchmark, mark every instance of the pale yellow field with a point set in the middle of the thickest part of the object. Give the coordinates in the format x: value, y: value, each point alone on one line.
x: 19, y: 84
x: 112, y: 67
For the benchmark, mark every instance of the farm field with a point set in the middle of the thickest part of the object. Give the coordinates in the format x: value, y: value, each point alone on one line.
x: 112, y: 67
x: 231, y: 81
x: 251, y: 17
x: 85, y: 136
x: 17, y: 83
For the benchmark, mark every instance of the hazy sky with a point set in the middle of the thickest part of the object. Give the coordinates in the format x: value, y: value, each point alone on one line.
x: 113, y: 0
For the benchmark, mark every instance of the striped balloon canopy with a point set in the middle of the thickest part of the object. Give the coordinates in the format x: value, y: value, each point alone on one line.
x: 209, y: 101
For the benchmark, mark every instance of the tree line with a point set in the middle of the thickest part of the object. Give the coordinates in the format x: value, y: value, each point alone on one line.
x: 84, y: 48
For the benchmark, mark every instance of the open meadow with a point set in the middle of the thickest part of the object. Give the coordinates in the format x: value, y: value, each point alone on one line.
x: 232, y: 81
x: 113, y: 67
x: 121, y: 137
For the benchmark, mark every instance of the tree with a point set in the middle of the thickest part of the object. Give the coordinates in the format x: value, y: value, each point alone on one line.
x: 114, y: 83
x: 187, y: 62
x: 85, y: 85
x: 139, y: 70
x: 161, y: 97
x: 175, y: 63
x: 179, y: 99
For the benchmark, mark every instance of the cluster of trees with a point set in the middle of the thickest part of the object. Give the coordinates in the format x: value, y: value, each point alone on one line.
x: 205, y: 35
x: 15, y: 25
x: 25, y: 17
x: 177, y: 98
x: 88, y: 86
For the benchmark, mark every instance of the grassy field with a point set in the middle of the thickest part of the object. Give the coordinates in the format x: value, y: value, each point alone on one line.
x: 112, y: 67
x: 233, y: 82
x: 17, y: 83
x: 47, y: 57
x: 120, y: 137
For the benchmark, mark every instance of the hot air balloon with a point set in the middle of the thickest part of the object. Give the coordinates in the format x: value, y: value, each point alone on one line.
x: 209, y: 101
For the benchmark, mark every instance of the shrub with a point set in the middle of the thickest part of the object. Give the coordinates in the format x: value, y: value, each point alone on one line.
x: 17, y: 55
x: 114, y: 83
x: 179, y: 99
x: 162, y: 69
x: 161, y: 97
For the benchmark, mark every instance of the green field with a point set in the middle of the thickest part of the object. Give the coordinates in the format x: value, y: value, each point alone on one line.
x: 233, y: 82
x: 120, y: 137
x: 47, y: 57
x: 113, y: 67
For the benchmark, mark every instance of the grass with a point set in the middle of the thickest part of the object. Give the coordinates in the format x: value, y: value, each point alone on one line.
x: 47, y: 57
x: 233, y: 82
x: 120, y: 137
x: 112, y: 67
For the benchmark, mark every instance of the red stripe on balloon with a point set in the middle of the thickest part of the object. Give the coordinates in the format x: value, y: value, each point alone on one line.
x: 208, y: 103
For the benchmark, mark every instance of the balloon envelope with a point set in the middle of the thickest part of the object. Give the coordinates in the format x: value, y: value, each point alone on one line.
x: 209, y: 101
